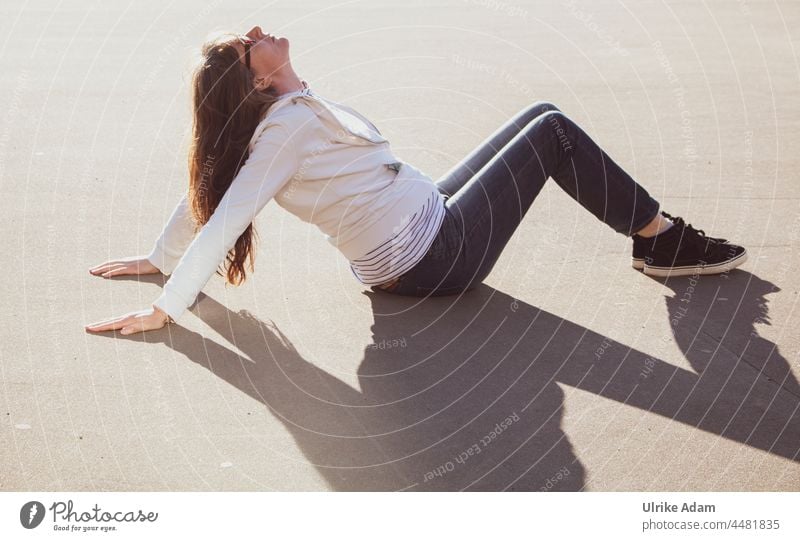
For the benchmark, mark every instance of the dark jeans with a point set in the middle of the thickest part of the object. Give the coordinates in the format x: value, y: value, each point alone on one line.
x: 491, y: 189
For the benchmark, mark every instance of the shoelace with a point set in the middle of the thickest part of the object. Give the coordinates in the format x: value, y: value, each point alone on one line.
x: 699, y: 237
x: 677, y: 220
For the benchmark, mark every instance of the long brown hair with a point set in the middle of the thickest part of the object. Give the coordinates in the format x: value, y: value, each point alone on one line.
x: 226, y: 110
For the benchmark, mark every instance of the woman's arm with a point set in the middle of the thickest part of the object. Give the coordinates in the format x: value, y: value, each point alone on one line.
x: 174, y: 239
x: 269, y: 166
x: 167, y: 250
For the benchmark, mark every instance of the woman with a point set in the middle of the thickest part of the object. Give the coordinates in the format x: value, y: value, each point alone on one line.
x: 260, y: 133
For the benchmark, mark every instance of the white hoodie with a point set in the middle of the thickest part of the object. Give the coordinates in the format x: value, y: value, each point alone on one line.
x: 328, y: 165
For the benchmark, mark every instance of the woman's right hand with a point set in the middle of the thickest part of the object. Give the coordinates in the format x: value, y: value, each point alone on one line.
x: 122, y: 267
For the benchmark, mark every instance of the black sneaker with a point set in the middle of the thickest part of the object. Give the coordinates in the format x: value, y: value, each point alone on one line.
x: 683, y: 250
x: 640, y: 244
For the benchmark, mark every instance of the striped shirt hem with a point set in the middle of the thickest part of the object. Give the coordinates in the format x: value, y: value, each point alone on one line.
x: 404, y: 249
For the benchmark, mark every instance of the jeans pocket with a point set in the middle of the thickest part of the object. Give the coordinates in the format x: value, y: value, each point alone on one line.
x: 448, y: 241
x: 435, y: 267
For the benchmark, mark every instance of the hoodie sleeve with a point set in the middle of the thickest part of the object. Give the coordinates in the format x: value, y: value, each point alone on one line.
x: 271, y: 163
x: 174, y: 238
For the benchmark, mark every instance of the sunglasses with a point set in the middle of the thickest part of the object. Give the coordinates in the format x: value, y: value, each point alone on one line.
x: 246, y: 43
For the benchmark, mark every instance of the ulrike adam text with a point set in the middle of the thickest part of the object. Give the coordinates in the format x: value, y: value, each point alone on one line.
x: 685, y: 507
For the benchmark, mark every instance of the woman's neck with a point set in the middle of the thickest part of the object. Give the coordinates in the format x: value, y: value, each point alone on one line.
x: 286, y: 80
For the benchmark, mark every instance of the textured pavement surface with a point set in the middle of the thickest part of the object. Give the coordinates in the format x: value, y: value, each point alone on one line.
x: 566, y: 370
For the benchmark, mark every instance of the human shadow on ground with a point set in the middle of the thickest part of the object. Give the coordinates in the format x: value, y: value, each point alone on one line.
x: 722, y: 315
x: 468, y: 393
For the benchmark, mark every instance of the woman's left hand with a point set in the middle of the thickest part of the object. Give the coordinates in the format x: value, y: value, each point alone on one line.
x: 149, y: 319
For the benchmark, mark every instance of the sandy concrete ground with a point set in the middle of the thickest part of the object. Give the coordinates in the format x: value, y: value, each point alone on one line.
x: 567, y: 370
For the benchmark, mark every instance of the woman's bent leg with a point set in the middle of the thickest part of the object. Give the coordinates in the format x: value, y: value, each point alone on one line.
x: 454, y: 180
x: 491, y: 204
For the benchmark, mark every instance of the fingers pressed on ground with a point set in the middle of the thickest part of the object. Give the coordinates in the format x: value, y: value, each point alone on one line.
x: 120, y: 266
x: 137, y: 326
x: 99, y: 327
x: 117, y: 271
x: 102, y: 266
x: 109, y: 324
x: 102, y: 271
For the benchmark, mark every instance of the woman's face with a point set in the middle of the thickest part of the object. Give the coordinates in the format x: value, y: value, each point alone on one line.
x: 268, y: 54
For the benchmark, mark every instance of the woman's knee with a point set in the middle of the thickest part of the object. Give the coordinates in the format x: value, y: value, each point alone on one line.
x: 553, y: 123
x: 551, y: 133
x: 535, y: 109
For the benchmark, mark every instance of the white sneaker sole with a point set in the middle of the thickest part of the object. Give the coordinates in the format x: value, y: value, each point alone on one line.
x: 691, y: 270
